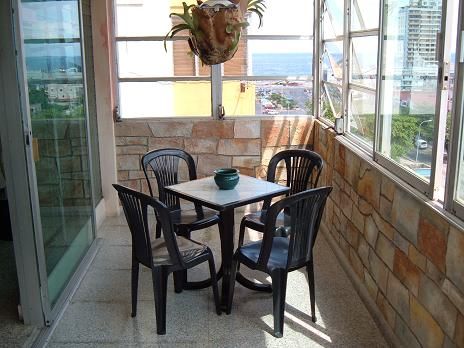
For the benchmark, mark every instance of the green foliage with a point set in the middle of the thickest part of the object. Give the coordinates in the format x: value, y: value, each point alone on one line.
x: 308, y: 106
x: 38, y: 96
x: 404, y: 130
x: 327, y: 111
x: 54, y: 111
x: 279, y: 99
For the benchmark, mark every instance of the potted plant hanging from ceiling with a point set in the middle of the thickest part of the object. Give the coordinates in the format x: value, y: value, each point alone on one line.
x: 215, y: 27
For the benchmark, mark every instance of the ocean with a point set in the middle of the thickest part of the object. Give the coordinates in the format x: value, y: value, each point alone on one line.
x: 282, y: 64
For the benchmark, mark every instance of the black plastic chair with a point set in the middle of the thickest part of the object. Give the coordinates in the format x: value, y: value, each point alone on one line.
x: 276, y: 256
x: 163, y: 255
x: 164, y: 164
x: 303, y: 168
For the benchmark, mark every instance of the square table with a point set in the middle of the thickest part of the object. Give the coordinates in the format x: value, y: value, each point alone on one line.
x: 205, y: 192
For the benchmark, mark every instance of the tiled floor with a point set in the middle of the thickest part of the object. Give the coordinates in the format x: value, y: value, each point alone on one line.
x: 99, y: 313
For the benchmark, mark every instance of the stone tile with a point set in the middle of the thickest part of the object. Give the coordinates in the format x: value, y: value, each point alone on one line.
x: 441, y: 308
x: 301, y: 131
x: 406, y: 271
x: 459, y: 336
x: 247, y: 129
x: 363, y: 251
x: 385, y: 208
x: 245, y: 161
x: 453, y: 293
x: 371, y: 231
x: 424, y: 326
x: 131, y: 141
x: 455, y: 257
x: 346, y: 204
x: 133, y: 184
x: 434, y: 273
x: 163, y: 143
x: 384, y: 226
x: 208, y: 163
x: 339, y: 164
x: 401, y: 242
x: 356, y: 263
x: 365, y: 207
x: 378, y: 270
x: 200, y: 146
x: 275, y: 133
x: 387, y: 310
x: 388, y: 188
x: 123, y: 175
x: 171, y: 128
x: 213, y: 129
x: 398, y: 296
x: 357, y: 218
x: 128, y: 162
x: 405, y: 215
x: 385, y: 250
x: 405, y: 334
x: 131, y: 150
x: 352, y: 166
x: 237, y: 147
x: 417, y: 258
x: 371, y: 286
x: 432, y: 242
x: 369, y: 184
x: 132, y: 129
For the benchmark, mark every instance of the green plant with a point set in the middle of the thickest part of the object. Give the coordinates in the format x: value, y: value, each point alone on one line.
x: 223, y: 38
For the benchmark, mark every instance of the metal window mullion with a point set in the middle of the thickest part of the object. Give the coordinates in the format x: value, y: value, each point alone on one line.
x: 332, y: 84
x: 456, y: 149
x: 317, y: 57
x: 165, y: 79
x: 441, y: 107
x: 364, y: 33
x: 361, y: 88
x: 378, y: 105
x: 346, y: 63
x: 266, y: 78
x: 333, y: 39
x: 216, y: 91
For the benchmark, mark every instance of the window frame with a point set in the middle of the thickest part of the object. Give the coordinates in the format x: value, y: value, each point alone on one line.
x: 456, y: 147
x: 216, y: 76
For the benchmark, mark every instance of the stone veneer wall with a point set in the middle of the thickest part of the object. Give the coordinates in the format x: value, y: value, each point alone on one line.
x: 409, y: 257
x: 246, y: 144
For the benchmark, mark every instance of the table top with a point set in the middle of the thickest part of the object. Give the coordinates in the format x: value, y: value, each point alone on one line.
x: 206, y: 192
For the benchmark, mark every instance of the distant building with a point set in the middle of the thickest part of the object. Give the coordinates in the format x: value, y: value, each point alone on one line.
x: 64, y: 92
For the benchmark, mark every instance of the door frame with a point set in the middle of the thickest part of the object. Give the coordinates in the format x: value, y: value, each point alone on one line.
x: 15, y: 155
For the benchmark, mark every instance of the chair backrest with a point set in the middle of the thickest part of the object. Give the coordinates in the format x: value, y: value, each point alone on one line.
x: 135, y: 209
x: 304, y: 212
x: 165, y: 165
x: 303, y: 168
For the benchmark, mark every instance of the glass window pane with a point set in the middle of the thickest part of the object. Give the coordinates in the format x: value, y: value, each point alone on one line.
x: 364, y: 61
x: 362, y: 116
x: 290, y: 17
x: 331, y: 107
x: 284, y: 58
x: 333, y: 19
x: 165, y: 99
x: 146, y: 17
x: 409, y: 84
x: 149, y: 59
x: 365, y: 14
x: 332, y: 62
x: 268, y: 98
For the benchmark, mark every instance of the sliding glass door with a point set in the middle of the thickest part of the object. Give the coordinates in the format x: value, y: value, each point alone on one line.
x: 57, y: 101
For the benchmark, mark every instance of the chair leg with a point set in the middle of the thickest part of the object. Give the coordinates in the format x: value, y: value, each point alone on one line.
x: 241, y: 238
x: 134, y: 285
x: 233, y: 273
x: 212, y: 272
x: 279, y: 290
x: 160, y: 278
x: 312, y: 292
x: 178, y: 281
x: 158, y: 229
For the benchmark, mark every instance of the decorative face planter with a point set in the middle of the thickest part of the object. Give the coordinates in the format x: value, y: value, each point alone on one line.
x: 215, y: 27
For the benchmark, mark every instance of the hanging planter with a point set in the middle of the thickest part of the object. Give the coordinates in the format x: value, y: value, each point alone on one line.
x: 215, y: 27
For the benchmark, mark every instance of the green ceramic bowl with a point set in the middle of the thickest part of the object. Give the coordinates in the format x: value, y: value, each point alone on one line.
x: 226, y: 178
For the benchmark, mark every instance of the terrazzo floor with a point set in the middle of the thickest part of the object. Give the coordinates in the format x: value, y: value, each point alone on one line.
x: 99, y: 312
